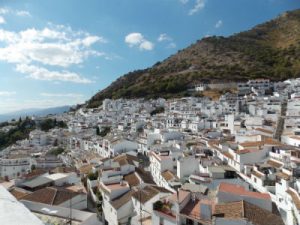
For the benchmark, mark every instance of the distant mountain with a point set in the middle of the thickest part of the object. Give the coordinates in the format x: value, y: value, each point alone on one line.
x: 34, y: 112
x: 269, y: 50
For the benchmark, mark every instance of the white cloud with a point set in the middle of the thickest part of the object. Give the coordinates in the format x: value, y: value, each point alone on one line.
x: 134, y: 39
x: 199, y: 4
x: 67, y: 95
x: 7, y: 93
x: 137, y: 39
x: 171, y: 45
x: 184, y: 1
x: 2, y: 20
x: 22, y: 13
x: 219, y: 24
x: 146, y: 45
x: 14, y: 12
x: 47, y: 46
x: 4, y: 11
x: 164, y: 37
x: 89, y: 40
x: 58, y: 46
x: 40, y: 73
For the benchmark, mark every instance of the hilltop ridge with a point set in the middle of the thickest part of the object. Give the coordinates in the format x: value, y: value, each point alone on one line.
x: 269, y: 50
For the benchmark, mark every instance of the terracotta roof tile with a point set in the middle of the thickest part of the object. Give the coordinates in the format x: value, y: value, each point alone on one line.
x: 192, y: 209
x: 230, y: 210
x: 85, y: 169
x: 45, y: 195
x: 168, y: 175
x: 283, y: 176
x: 121, y: 200
x: 145, y: 194
x: 264, y: 130
x: 257, y: 174
x: 51, y: 195
x: 63, y: 195
x: 19, y: 193
x: 132, y: 179
x: 240, y: 190
x: 274, y: 163
x: 125, y: 159
x: 148, y: 192
x: 144, y: 175
x: 243, y: 209
x: 180, y: 196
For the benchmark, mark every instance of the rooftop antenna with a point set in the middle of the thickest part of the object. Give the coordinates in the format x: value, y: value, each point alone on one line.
x: 70, y: 213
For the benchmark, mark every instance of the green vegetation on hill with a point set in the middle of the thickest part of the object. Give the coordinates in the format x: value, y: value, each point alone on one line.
x: 157, y: 110
x: 56, y: 151
x: 19, y: 132
x: 22, y: 128
x: 270, y: 50
x: 49, y: 124
x: 93, y: 176
x: 104, y: 131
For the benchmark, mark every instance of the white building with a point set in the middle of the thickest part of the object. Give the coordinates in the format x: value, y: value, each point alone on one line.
x: 14, y: 167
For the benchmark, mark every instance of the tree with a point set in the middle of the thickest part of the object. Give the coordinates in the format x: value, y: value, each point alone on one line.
x: 104, y: 131
x: 93, y: 176
x: 55, y: 143
x: 157, y: 110
x: 97, y: 131
x: 56, y: 151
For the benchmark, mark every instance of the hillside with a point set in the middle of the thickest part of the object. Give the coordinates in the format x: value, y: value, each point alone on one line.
x: 269, y: 50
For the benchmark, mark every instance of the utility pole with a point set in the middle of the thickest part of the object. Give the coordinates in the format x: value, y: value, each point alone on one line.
x: 177, y: 214
x: 71, y: 209
x: 141, y: 217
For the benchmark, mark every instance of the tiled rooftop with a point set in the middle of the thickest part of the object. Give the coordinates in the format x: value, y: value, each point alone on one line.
x: 240, y: 190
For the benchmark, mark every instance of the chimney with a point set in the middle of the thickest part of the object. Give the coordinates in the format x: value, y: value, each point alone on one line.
x: 205, y: 211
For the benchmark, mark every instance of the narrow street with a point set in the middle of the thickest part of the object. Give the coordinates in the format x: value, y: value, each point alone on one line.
x: 280, y: 122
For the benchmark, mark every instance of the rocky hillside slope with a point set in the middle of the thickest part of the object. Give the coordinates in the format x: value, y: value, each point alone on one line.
x: 269, y: 50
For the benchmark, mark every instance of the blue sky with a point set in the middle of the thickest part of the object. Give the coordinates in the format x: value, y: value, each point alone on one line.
x: 61, y: 52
